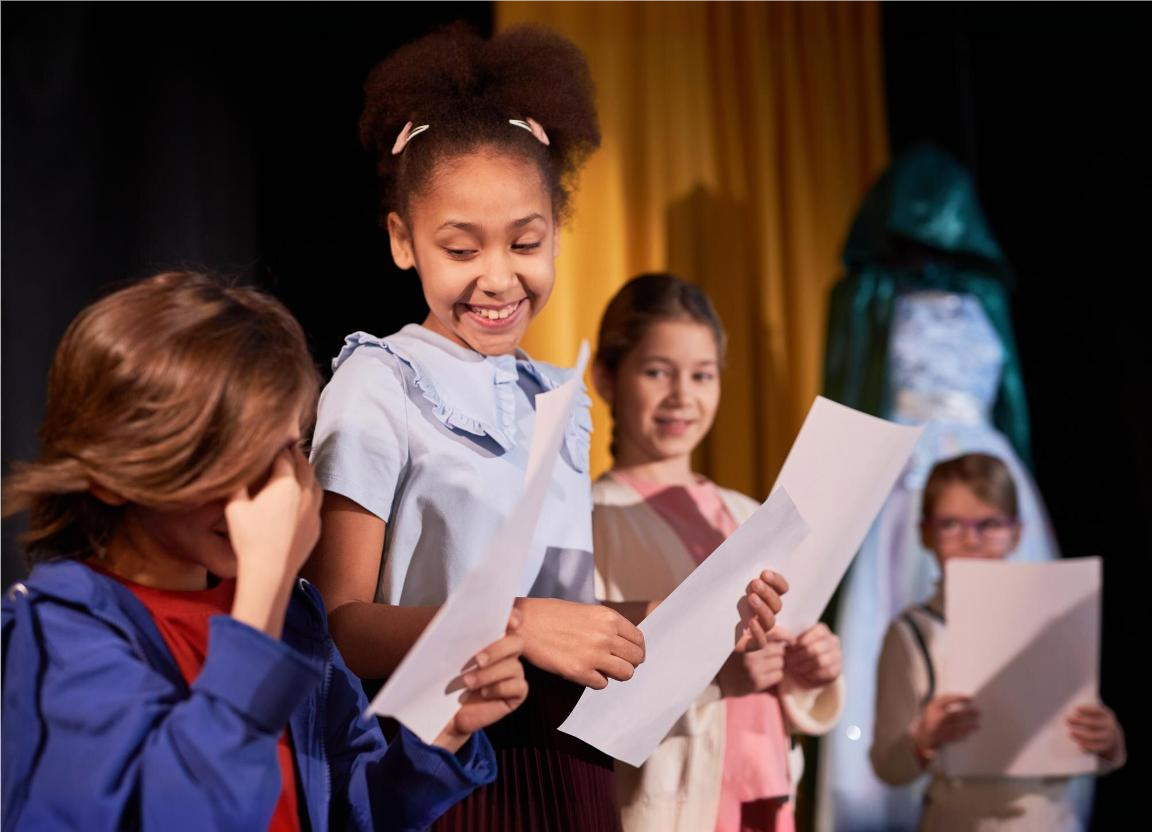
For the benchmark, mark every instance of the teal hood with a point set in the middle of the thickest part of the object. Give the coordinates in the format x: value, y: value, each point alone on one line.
x: 923, y: 205
x: 919, y: 227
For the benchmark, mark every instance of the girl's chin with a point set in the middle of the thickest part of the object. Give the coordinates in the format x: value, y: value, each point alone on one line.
x: 491, y: 343
x: 676, y: 443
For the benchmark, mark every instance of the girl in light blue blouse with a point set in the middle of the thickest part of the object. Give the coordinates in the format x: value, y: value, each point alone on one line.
x: 422, y: 437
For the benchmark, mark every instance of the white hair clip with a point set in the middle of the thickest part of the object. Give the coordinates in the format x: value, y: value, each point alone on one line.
x: 533, y: 127
x: 406, y: 136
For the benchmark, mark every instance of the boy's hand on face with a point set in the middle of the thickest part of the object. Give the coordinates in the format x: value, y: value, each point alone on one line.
x: 946, y: 718
x: 272, y: 532
x: 494, y: 685
x: 275, y: 529
x: 1096, y: 730
x: 814, y: 660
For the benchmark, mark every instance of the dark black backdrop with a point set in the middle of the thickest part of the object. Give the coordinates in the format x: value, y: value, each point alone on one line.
x: 1047, y: 104
x: 143, y: 136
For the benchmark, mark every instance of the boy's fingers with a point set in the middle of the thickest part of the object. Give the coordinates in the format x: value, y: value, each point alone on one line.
x: 283, y: 465
x: 300, y: 464
x: 240, y: 495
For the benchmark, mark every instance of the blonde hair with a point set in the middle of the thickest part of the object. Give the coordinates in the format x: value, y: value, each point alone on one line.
x: 169, y: 393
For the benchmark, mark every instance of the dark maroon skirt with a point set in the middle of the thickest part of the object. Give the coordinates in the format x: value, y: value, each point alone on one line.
x: 547, y: 781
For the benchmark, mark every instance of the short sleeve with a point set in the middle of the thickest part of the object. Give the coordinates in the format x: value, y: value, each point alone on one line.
x: 360, y: 445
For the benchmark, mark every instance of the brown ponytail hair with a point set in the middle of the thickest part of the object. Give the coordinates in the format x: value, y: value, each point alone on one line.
x: 648, y: 299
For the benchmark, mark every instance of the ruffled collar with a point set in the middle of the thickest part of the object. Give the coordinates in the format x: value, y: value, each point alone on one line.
x: 476, y: 393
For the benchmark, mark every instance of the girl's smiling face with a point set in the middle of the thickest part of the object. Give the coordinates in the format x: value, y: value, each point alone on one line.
x: 665, y: 393
x: 482, y: 237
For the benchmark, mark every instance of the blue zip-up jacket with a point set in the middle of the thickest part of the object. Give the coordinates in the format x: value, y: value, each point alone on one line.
x: 102, y: 732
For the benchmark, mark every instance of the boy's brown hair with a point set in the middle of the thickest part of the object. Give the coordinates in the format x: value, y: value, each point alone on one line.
x: 169, y: 393
x: 987, y: 477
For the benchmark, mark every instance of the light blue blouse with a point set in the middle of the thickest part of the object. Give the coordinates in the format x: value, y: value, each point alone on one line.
x: 433, y: 438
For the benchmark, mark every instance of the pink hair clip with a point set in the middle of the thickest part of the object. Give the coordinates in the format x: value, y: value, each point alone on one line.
x: 533, y: 127
x: 406, y: 136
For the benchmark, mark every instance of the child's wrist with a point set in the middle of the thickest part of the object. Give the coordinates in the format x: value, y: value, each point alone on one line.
x: 923, y: 748
x: 924, y: 755
x: 262, y: 603
x: 451, y: 740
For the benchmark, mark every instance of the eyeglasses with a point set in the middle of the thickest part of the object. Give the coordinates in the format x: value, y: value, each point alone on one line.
x: 989, y: 528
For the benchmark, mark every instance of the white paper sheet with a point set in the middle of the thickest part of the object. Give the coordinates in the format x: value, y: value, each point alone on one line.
x: 423, y: 692
x: 838, y: 473
x: 687, y: 638
x: 1023, y: 639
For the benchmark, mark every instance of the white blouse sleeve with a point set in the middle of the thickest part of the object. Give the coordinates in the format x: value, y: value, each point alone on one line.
x: 360, y: 446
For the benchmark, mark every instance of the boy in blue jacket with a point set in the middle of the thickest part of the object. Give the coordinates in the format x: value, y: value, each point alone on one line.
x: 163, y: 665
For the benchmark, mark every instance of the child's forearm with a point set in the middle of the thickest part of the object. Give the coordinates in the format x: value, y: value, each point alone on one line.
x: 261, y: 601
x: 373, y: 638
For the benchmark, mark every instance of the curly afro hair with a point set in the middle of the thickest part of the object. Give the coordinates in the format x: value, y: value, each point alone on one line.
x: 467, y: 89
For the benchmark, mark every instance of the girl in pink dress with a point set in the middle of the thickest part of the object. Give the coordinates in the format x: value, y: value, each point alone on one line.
x: 726, y: 764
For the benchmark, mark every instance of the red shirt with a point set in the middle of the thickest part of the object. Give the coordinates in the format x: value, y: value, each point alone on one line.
x: 182, y: 619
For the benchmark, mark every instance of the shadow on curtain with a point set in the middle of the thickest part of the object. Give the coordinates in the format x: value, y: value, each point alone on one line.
x: 738, y: 140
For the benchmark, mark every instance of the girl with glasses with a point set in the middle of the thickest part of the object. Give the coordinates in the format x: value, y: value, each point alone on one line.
x: 969, y: 511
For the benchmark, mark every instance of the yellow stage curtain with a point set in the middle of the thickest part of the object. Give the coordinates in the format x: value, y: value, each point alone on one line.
x: 738, y: 141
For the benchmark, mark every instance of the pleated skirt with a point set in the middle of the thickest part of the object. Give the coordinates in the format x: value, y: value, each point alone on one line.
x: 547, y: 781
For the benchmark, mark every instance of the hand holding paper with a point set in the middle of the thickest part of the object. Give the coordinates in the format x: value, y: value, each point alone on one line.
x: 495, y: 687
x: 1024, y: 643
x: 945, y: 719
x: 1095, y: 729
x: 814, y: 659
x: 759, y: 606
x: 688, y: 637
x: 585, y: 643
x: 839, y: 473
x: 752, y: 668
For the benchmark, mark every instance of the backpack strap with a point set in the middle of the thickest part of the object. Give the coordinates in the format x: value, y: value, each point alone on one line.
x: 922, y: 643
